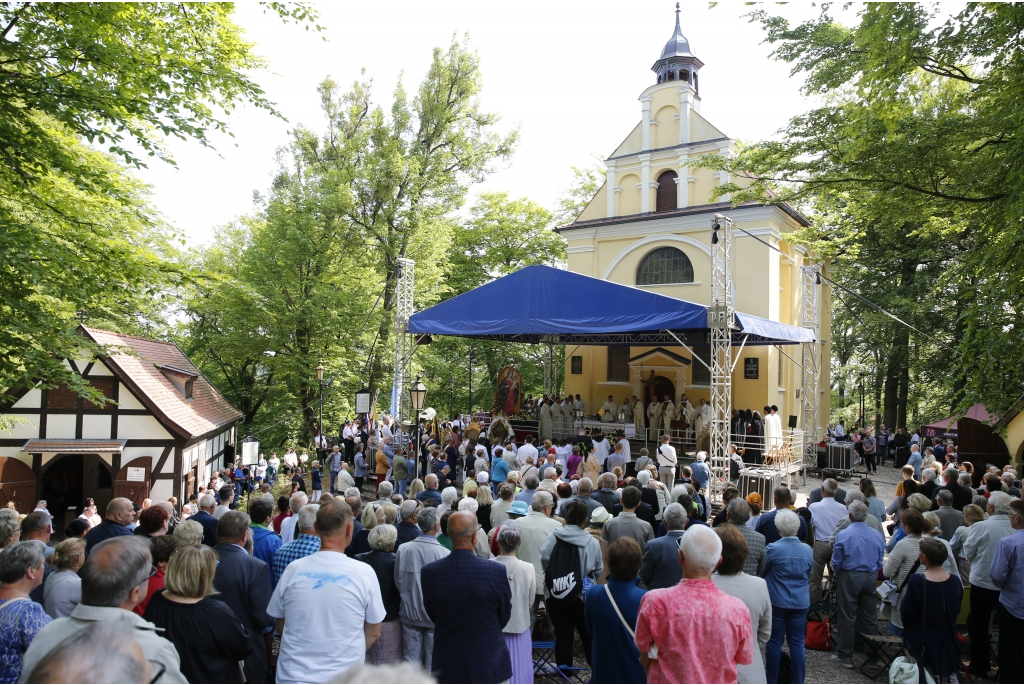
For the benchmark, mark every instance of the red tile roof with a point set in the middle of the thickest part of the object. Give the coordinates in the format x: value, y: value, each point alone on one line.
x: 74, y: 446
x: 140, y: 365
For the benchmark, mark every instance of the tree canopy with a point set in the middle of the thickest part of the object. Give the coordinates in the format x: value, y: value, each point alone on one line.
x: 87, y: 89
x: 913, y: 169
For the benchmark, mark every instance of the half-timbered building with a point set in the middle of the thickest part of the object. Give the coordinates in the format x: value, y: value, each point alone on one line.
x: 166, y: 430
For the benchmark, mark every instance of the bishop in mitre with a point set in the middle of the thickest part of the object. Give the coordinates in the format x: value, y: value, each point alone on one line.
x: 685, y: 411
x: 609, y: 411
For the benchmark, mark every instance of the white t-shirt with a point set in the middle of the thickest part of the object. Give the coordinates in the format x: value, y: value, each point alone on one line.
x: 525, y: 451
x: 666, y: 456
x: 288, y: 528
x: 221, y: 510
x: 324, y: 599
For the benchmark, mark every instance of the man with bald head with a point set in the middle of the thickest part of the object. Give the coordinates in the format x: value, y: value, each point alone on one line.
x: 478, y: 632
x: 119, y: 515
x: 114, y: 581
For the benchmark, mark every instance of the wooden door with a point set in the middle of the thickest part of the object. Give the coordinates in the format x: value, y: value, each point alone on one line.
x: 17, y: 484
x: 127, y: 483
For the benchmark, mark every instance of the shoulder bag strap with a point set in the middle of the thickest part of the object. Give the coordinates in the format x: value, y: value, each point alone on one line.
x: 618, y: 613
x: 19, y: 599
x: 913, y: 570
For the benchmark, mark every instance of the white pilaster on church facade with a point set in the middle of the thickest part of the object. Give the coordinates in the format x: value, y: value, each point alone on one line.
x: 645, y: 183
x: 645, y: 126
x: 683, y: 197
x: 609, y: 170
x: 685, y: 99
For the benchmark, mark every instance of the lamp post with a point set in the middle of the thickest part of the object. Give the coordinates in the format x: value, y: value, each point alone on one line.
x: 451, y: 398
x: 320, y: 447
x: 472, y: 358
x: 417, y: 395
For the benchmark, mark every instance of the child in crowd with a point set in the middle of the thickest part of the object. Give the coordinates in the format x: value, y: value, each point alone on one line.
x: 316, y: 476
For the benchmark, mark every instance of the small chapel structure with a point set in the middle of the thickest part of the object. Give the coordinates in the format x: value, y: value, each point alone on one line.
x: 648, y: 226
x: 166, y: 430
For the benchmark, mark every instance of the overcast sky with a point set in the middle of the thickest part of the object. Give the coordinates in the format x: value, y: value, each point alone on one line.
x: 567, y: 74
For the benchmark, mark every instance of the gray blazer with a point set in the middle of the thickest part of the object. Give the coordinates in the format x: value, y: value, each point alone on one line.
x: 660, y: 566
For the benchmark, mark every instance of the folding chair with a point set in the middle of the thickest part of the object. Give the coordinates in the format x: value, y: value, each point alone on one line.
x: 883, y: 648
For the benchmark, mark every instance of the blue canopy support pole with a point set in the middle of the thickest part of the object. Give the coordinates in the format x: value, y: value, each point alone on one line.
x: 721, y: 321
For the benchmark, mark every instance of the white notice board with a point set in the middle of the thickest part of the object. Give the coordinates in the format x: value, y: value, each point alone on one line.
x: 137, y: 474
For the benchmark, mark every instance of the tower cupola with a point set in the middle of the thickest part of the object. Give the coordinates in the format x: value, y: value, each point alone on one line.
x: 677, y: 63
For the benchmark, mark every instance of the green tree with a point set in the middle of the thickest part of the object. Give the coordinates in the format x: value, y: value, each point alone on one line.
x: 919, y: 136
x: 400, y: 177
x: 77, y: 232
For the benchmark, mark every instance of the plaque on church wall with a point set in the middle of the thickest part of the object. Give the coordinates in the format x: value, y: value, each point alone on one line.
x: 577, y: 364
x: 751, y: 367
x: 136, y: 474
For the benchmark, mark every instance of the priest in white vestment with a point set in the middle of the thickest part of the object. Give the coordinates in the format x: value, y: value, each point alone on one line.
x: 686, y: 411
x: 701, y: 419
x: 545, y: 423
x: 580, y: 406
x: 626, y: 410
x: 609, y: 411
x: 668, y: 415
x: 654, y: 418
x: 639, y: 417
x: 772, y: 428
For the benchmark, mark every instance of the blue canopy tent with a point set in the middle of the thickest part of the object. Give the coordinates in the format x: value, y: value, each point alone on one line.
x: 544, y: 304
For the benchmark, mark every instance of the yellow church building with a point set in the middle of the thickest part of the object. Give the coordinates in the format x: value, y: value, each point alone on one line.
x: 649, y: 227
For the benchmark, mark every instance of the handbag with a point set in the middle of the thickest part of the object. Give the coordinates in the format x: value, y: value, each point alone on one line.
x: 905, y: 670
x: 892, y: 595
x: 819, y: 633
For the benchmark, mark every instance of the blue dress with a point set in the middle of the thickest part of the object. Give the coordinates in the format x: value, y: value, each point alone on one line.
x: 20, y: 621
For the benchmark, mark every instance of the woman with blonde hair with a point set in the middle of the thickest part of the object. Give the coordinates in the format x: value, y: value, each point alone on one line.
x: 371, y: 518
x: 381, y: 558
x: 209, y: 638
x: 10, y: 527
x: 62, y: 590
x: 415, y: 488
x: 390, y: 512
x: 972, y: 514
x: 592, y: 467
x: 485, y: 499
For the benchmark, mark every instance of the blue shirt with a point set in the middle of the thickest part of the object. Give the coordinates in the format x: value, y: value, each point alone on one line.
x: 302, y: 546
x: 265, y: 544
x: 858, y: 547
x: 701, y: 473
x: 787, y: 571
x: 766, y: 527
x: 1008, y: 573
x: 915, y: 461
x: 614, y: 656
x: 499, y: 470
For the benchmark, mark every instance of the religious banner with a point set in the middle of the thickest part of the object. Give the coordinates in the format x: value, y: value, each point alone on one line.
x: 508, y: 400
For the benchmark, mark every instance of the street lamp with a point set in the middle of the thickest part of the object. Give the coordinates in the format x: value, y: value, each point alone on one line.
x: 451, y: 398
x: 417, y: 396
x: 321, y: 451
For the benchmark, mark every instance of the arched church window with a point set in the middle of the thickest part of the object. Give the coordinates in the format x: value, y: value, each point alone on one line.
x: 667, y: 192
x: 671, y: 76
x: 664, y: 266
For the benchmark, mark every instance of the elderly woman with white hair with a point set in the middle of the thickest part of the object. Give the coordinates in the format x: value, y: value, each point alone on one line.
x: 660, y: 499
x: 523, y: 579
x: 787, y: 570
x: 449, y: 496
x: 472, y: 506
x: 381, y: 558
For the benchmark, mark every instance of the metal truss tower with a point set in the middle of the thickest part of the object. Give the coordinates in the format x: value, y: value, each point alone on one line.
x: 809, y: 288
x: 404, y: 278
x: 549, y: 369
x: 721, y: 321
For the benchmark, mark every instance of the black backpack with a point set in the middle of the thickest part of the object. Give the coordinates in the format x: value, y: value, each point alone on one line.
x: 564, y: 575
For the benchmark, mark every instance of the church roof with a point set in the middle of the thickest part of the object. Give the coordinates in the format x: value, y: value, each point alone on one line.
x: 141, y: 364
x: 678, y: 45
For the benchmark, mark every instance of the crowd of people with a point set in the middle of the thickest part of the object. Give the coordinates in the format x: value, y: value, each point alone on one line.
x: 457, y: 573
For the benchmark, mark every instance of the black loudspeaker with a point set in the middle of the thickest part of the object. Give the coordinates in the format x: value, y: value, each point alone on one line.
x: 792, y: 421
